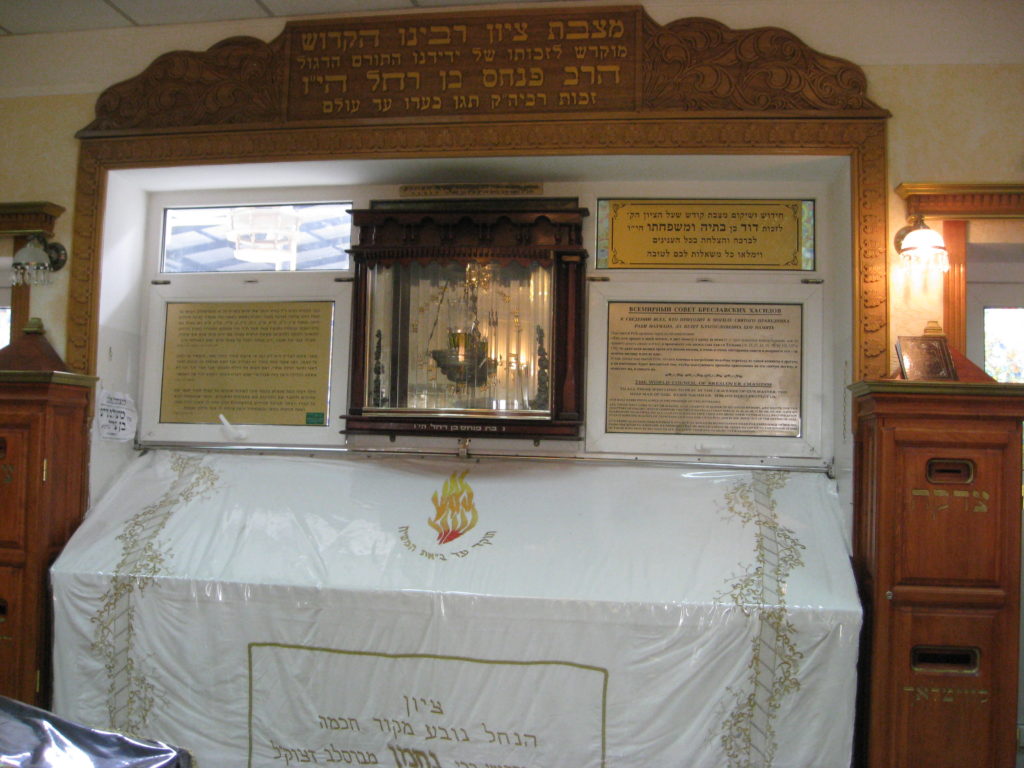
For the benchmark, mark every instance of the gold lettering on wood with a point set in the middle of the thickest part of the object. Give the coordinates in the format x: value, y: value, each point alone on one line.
x: 688, y: 68
x: 392, y: 68
x: 936, y: 500
x: 503, y: 189
x: 946, y: 695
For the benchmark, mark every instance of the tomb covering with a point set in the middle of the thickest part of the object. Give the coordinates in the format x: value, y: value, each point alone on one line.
x: 406, y: 611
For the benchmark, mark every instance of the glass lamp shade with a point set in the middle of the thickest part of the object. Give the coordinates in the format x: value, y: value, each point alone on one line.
x: 36, y: 261
x: 924, y: 247
x: 265, y: 235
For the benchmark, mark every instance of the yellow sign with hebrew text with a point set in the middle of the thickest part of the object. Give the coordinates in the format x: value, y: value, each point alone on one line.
x: 252, y: 362
x: 709, y: 234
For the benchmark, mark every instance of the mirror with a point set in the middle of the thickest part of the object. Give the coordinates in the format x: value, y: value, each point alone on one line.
x: 18, y: 222
x: 6, y: 297
x: 983, y: 226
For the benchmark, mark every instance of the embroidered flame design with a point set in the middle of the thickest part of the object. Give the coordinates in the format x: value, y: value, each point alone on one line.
x: 455, y: 513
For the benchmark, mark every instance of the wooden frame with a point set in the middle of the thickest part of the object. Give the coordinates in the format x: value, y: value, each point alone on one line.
x: 695, y: 93
x: 925, y: 358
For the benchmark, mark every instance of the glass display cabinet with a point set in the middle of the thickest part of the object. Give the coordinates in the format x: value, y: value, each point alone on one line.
x: 468, y: 318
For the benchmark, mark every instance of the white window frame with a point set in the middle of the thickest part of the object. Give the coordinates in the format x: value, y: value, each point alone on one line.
x: 160, y: 289
x: 809, y: 446
x: 816, y: 448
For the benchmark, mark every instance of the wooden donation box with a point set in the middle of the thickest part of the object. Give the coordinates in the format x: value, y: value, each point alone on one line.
x: 937, y: 554
x: 43, y: 446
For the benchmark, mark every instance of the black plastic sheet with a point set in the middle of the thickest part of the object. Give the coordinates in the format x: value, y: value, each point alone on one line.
x: 34, y: 738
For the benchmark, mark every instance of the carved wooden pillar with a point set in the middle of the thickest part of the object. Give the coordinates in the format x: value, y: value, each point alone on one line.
x: 954, y: 295
x: 21, y: 295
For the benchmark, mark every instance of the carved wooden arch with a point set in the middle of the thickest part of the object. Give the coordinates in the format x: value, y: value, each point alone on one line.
x: 693, y: 86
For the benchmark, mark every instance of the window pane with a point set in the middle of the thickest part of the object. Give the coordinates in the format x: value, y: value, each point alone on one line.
x: 1004, y: 343
x: 257, y: 238
x: 5, y: 326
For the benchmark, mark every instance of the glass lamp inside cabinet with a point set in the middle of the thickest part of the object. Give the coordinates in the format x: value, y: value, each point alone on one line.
x: 467, y: 318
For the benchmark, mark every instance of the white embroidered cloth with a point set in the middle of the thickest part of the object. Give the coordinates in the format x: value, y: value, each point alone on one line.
x: 267, y: 611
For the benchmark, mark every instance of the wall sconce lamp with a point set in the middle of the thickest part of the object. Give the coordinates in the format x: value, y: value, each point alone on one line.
x: 920, y: 247
x: 36, y: 261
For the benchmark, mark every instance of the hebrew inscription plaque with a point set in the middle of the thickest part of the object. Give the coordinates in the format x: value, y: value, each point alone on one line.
x: 472, y: 64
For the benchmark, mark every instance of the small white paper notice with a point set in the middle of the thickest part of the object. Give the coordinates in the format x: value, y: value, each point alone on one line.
x: 116, y: 416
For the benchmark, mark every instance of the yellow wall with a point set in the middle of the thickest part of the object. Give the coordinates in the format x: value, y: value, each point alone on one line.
x: 954, y: 89
x: 950, y: 123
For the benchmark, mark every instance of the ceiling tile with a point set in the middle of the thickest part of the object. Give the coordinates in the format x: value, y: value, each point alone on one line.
x: 444, y: 3
x: 23, y: 17
x: 42, y: 16
x: 310, y: 7
x: 146, y: 12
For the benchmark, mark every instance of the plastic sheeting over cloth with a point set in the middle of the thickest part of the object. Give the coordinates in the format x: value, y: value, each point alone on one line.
x: 33, y: 738
x: 267, y: 611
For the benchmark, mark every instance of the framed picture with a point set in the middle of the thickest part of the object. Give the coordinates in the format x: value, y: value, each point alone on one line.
x: 925, y: 358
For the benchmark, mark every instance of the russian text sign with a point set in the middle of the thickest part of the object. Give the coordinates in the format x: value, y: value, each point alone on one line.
x: 704, y: 368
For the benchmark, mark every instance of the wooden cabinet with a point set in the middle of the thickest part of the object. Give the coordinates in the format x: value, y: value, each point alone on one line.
x: 937, y: 554
x: 468, y: 318
x: 43, y: 447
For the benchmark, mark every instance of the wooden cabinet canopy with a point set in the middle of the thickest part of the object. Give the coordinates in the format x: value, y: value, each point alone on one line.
x: 468, y: 318
x: 483, y: 230
x: 28, y: 218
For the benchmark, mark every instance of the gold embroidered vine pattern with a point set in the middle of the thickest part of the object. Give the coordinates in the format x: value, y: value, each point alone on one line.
x: 130, y: 696
x: 748, y: 736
